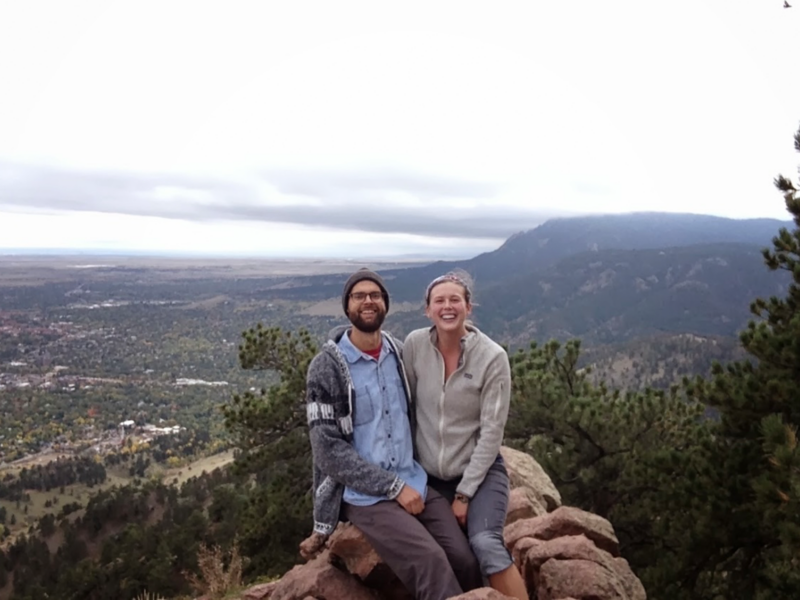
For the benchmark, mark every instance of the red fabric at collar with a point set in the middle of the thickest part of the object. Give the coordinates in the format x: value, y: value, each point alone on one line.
x: 376, y: 353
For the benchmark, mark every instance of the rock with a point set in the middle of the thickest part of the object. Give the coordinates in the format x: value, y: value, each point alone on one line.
x: 319, y: 578
x: 632, y: 584
x: 484, y: 593
x: 520, y: 506
x: 564, y: 521
x: 577, y: 579
x: 262, y: 591
x: 526, y: 474
x: 520, y: 549
x: 350, y: 545
x: 578, y: 547
x: 572, y: 547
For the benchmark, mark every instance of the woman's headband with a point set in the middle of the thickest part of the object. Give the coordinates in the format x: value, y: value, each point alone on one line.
x: 448, y: 277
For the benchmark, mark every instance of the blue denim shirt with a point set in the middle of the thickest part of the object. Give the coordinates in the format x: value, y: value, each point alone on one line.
x: 381, y: 431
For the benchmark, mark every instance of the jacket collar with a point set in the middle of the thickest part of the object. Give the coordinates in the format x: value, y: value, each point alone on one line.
x: 473, y: 333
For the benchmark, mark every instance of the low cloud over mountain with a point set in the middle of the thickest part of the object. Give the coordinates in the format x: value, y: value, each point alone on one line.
x: 375, y: 201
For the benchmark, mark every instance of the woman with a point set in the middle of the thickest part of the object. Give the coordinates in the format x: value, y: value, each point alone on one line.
x: 460, y: 380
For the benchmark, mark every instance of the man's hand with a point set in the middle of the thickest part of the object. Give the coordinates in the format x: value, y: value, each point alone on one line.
x: 410, y: 499
x: 460, y: 510
x: 311, y: 546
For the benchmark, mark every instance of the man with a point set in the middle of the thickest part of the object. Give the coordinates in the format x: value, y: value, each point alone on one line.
x: 361, y: 420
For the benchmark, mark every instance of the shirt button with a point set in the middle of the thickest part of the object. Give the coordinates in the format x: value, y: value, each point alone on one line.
x: 390, y: 436
x: 386, y: 412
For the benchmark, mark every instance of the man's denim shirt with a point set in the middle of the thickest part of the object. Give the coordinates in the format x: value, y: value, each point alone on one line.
x: 381, y: 432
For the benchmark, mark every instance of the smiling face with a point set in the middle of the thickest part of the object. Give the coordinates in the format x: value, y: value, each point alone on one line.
x: 366, y: 314
x: 448, y: 307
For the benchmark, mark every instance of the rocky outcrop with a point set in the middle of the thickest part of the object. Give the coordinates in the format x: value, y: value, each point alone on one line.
x: 563, y: 553
x: 529, y: 480
x: 320, y: 578
x: 572, y: 553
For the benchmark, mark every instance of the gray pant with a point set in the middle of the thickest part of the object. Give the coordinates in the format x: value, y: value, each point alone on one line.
x: 428, y: 552
x: 486, y: 516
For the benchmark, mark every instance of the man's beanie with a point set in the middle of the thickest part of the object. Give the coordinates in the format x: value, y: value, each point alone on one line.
x: 361, y: 275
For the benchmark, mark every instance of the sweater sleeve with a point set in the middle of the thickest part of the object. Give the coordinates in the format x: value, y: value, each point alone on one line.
x: 332, y: 454
x: 495, y: 397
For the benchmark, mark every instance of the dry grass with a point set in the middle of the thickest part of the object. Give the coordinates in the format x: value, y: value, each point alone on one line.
x: 216, y: 579
x: 148, y: 596
x: 196, y: 468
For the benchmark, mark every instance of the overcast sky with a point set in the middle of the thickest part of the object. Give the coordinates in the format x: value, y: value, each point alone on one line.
x: 354, y: 129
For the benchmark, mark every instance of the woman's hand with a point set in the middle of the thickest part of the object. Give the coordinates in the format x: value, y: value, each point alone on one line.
x: 460, y: 509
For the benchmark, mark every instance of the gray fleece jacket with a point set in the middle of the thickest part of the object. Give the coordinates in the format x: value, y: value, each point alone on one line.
x: 460, y: 422
x: 330, y: 398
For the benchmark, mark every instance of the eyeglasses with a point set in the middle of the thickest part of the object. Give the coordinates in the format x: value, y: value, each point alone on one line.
x: 361, y: 296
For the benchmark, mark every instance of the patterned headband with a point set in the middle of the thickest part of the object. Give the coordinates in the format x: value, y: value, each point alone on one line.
x: 447, y: 277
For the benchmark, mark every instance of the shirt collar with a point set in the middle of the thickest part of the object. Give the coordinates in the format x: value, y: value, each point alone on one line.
x: 353, y: 354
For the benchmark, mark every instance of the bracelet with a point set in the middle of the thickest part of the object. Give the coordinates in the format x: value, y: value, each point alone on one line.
x: 462, y: 498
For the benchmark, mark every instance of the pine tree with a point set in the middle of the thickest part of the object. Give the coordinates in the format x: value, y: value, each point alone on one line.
x: 748, y: 545
x: 616, y: 455
x: 271, y: 433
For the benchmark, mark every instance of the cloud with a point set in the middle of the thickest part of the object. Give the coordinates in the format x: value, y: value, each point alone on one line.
x: 342, y: 184
x: 378, y: 201
x: 257, y: 123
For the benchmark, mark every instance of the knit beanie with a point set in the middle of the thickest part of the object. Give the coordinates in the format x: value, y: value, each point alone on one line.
x: 361, y: 275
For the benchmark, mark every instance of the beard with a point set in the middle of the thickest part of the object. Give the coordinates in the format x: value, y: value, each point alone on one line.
x: 370, y: 326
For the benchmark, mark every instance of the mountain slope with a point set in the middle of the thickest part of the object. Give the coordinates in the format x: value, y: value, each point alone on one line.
x: 614, y: 295
x: 659, y: 360
x: 559, y: 238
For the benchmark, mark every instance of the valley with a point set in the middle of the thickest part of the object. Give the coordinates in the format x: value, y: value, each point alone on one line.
x: 87, y: 343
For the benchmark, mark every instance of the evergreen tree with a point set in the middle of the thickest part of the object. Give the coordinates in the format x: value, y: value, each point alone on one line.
x: 271, y: 433
x: 748, y: 545
x: 611, y: 454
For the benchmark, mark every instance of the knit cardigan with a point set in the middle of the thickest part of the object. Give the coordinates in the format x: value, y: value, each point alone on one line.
x: 330, y: 398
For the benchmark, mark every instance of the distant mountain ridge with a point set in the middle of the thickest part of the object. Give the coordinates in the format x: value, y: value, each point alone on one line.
x: 559, y: 238
x: 605, y: 278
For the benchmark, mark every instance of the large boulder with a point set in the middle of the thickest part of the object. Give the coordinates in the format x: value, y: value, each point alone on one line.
x: 565, y: 520
x: 320, y: 578
x: 563, y: 553
x: 528, y: 476
x: 537, y: 561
